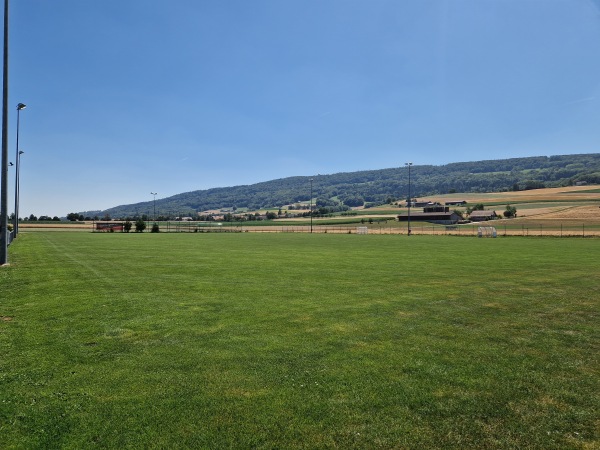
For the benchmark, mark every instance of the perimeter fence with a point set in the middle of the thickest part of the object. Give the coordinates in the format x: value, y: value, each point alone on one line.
x: 472, y: 229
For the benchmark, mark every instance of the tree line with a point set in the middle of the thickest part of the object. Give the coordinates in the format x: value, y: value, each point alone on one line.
x: 341, y: 191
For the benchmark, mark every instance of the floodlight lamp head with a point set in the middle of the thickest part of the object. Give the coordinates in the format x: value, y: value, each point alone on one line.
x: 10, y: 164
x: 21, y: 106
x: 21, y: 152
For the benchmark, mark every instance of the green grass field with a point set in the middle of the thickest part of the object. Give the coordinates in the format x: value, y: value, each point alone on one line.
x: 114, y: 340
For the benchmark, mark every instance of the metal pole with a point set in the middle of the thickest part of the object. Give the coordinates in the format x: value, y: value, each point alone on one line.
x: 17, y: 193
x: 20, y: 106
x: 409, y: 196
x: 154, y: 193
x: 4, y: 184
x: 311, y: 193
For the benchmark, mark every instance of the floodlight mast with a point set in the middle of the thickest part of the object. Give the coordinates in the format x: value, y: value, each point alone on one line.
x: 4, y: 183
x: 20, y: 106
x: 154, y: 193
x: 409, y: 164
x: 311, y: 196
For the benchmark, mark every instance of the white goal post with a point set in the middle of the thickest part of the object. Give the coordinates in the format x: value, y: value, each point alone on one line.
x: 486, y: 232
x: 362, y: 230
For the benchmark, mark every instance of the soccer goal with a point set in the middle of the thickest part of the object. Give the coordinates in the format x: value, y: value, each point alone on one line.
x: 362, y: 230
x: 486, y: 232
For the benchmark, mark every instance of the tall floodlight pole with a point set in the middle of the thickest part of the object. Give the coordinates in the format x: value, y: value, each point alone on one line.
x: 154, y: 193
x: 4, y: 184
x: 17, y: 193
x: 311, y: 181
x: 408, y: 164
x: 20, y: 106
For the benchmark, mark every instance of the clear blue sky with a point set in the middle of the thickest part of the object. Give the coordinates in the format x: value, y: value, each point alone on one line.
x: 128, y: 97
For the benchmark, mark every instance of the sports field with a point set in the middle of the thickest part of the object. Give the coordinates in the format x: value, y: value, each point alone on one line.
x: 248, y: 340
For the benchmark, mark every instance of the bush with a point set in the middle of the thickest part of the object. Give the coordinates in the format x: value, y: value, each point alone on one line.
x: 510, y: 212
x: 140, y: 225
x: 155, y: 228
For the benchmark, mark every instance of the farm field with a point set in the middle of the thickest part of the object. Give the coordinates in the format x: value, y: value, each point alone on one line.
x: 249, y: 340
x: 569, y: 193
x: 567, y: 211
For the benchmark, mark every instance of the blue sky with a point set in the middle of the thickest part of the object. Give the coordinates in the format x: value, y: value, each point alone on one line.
x: 130, y: 97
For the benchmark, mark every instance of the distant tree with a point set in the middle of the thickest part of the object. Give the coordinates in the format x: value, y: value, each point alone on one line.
x: 534, y: 184
x: 271, y: 215
x: 127, y: 226
x: 354, y: 201
x: 140, y: 225
x: 155, y: 228
x: 32, y: 218
x: 106, y: 217
x: 459, y: 213
x: 510, y: 212
x: 72, y: 217
x: 55, y: 219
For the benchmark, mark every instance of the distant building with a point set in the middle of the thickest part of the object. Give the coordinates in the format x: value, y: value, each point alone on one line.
x: 442, y: 218
x: 109, y: 226
x: 455, y: 202
x: 422, y: 204
x: 436, y: 207
x: 482, y: 216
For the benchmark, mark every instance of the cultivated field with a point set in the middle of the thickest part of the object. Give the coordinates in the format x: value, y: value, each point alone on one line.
x: 568, y: 212
x: 249, y: 340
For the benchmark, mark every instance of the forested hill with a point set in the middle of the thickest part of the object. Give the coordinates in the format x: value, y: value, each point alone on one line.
x: 378, y: 186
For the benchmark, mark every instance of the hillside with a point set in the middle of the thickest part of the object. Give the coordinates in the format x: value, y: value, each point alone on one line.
x: 342, y: 190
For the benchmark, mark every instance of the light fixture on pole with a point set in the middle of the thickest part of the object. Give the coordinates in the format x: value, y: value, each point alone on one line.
x: 409, y: 195
x: 20, y: 106
x: 154, y: 193
x: 4, y: 183
x: 311, y: 181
